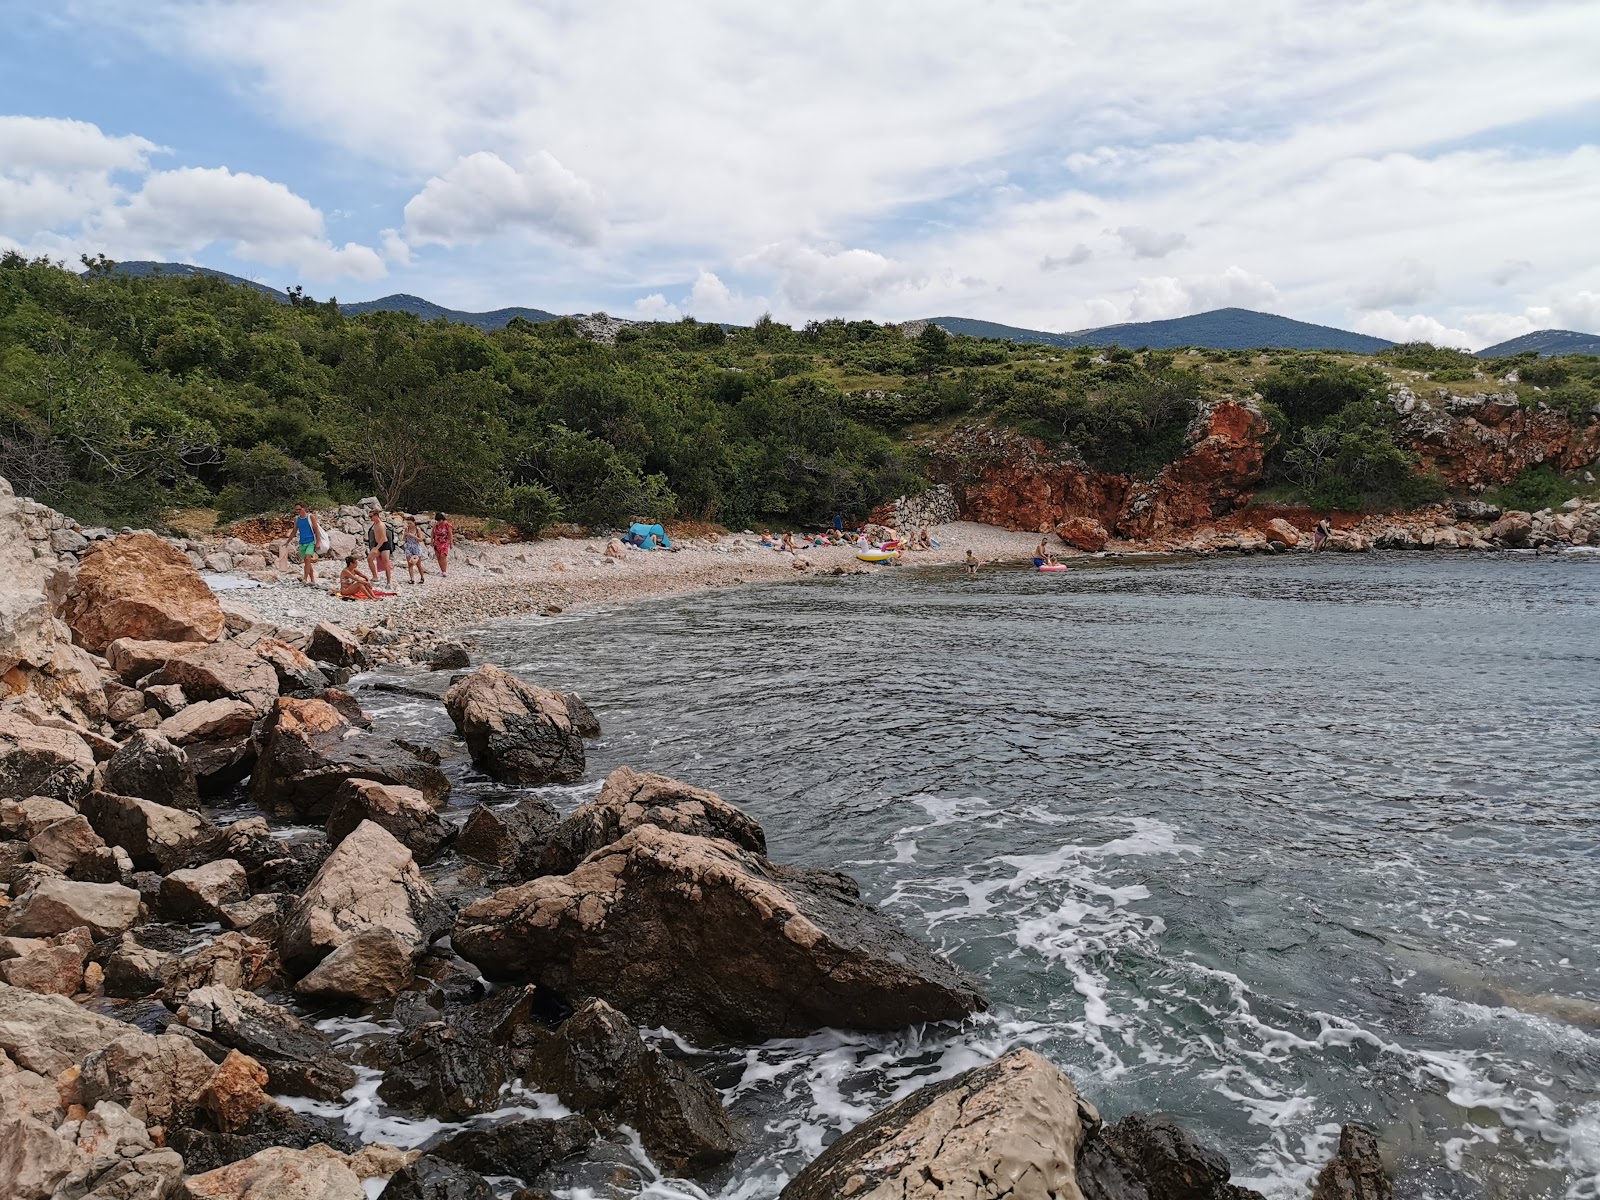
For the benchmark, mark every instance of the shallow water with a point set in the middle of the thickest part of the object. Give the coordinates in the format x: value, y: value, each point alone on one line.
x: 1271, y: 844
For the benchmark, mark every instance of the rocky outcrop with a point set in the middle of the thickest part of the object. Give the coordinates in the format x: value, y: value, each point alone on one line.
x: 515, y: 732
x: 1083, y: 533
x: 40, y: 761
x: 370, y: 881
x: 156, y: 837
x: 403, y: 811
x: 139, y: 586
x: 1166, y: 1161
x: 309, y: 749
x: 1476, y: 442
x: 630, y: 799
x: 1012, y: 1128
x: 57, y: 905
x: 106, y: 1154
x: 714, y: 941
x: 1355, y: 1171
x: 432, y: 1178
x: 154, y: 1078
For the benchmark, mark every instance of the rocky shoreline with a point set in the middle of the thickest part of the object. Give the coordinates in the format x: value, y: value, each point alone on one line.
x: 166, y: 974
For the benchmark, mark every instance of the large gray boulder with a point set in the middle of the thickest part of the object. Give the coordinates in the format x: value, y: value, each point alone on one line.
x: 515, y: 732
x: 40, y: 761
x: 157, y: 837
x: 57, y: 905
x: 224, y: 671
x: 1012, y: 1128
x: 149, y: 766
x: 714, y: 941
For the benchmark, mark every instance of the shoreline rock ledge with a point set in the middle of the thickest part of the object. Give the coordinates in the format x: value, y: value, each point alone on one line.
x: 707, y: 936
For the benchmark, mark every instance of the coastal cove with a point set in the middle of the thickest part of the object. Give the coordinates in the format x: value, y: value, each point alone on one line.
x: 1271, y: 844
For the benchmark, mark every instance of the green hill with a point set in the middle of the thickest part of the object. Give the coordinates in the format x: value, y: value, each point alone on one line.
x: 1546, y: 343
x: 1220, y: 329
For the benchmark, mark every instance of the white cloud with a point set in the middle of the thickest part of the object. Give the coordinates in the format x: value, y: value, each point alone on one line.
x: 1144, y: 242
x: 1407, y: 282
x: 394, y: 249
x: 1415, y: 328
x: 1169, y: 296
x: 835, y: 281
x: 656, y: 307
x: 1078, y: 254
x: 53, y: 171
x: 1509, y: 270
x: 482, y: 196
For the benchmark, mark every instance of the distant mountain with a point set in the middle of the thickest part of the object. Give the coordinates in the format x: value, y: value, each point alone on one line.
x: 1547, y: 342
x: 427, y: 310
x: 172, y: 268
x: 1220, y: 329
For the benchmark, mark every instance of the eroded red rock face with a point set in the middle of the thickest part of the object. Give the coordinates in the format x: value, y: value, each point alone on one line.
x: 1477, y: 443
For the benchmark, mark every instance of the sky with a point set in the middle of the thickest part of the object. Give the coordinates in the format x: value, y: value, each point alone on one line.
x: 1415, y: 169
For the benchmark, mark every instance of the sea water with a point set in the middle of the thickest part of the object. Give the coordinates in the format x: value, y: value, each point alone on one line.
x: 1270, y: 844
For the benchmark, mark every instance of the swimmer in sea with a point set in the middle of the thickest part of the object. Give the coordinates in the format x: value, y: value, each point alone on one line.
x: 971, y: 564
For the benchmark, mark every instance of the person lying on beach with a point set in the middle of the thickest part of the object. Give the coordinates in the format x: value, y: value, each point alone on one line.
x: 922, y: 541
x: 768, y: 540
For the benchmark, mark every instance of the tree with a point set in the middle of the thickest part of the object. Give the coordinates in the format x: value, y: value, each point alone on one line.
x: 932, y: 345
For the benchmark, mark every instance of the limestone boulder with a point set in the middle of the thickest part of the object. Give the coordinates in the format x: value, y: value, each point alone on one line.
x: 106, y: 1154
x: 40, y: 761
x: 632, y: 798
x: 76, y: 850
x: 233, y: 1094
x: 54, y: 967
x: 714, y: 941
x: 134, y: 659
x: 138, y: 586
x: 232, y: 959
x: 373, y: 965
x: 279, y: 1173
x: 309, y: 748
x: 1282, y: 533
x: 370, y: 881
x: 297, y: 1058
x: 1356, y: 1170
x: 200, y: 893
x: 403, y: 811
x: 30, y: 816
x: 335, y: 645
x: 1083, y: 533
x: 57, y: 905
x: 515, y: 732
x: 131, y: 970
x: 225, y: 671
x: 150, y: 767
x: 296, y: 672
x: 1012, y: 1128
x: 48, y: 1034
x: 208, y: 721
x: 154, y: 1078
x: 1514, y: 529
x: 156, y: 836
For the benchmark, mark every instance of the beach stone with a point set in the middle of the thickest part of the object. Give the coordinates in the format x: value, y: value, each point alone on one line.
x: 330, y: 643
x: 598, y: 1064
x: 433, y: 1178
x: 138, y: 586
x: 297, y: 1058
x: 157, y: 837
x: 57, y: 905
x: 106, y: 1154
x: 231, y: 959
x: 522, y: 1148
x: 713, y: 941
x: 403, y: 811
x: 296, y: 672
x: 52, y: 970
x: 39, y: 761
x: 1011, y: 1128
x: 515, y: 732
x: 49, y: 1033
x: 1514, y: 529
x: 1083, y: 533
x: 370, y: 881
x: 504, y: 835
x: 582, y: 716
x: 232, y: 1095
x: 455, y: 1065
x: 449, y: 656
x: 133, y: 970
x: 134, y: 659
x: 151, y: 767
x: 1282, y: 532
x: 123, y: 703
x: 154, y: 1078
x: 1169, y: 1161
x: 32, y: 815
x: 308, y: 750
x: 205, y: 1148
x: 373, y: 965
x: 225, y: 671
x: 279, y: 1173
x: 1356, y: 1170
x: 208, y: 721
x: 166, y: 698
x: 199, y: 893
x: 273, y: 864
x: 632, y: 798
x: 75, y: 849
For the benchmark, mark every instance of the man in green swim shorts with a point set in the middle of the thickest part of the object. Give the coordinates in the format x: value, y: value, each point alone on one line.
x: 309, y: 532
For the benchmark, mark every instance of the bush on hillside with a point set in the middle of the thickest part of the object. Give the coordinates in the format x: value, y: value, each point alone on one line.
x: 1534, y: 488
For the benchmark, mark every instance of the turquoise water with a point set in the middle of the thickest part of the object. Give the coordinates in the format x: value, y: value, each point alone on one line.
x: 1271, y: 844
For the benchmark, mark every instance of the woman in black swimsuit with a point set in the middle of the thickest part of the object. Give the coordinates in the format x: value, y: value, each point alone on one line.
x: 379, y: 547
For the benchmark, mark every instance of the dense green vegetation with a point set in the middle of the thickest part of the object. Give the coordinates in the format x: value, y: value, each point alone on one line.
x: 123, y: 397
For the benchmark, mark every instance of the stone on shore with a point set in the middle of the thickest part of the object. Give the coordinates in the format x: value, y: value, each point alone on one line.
x: 208, y: 721
x: 31, y: 816
x: 1012, y: 1128
x: 1514, y: 529
x: 154, y: 1078
x: 373, y: 965
x: 138, y: 586
x: 53, y: 967
x: 308, y: 750
x: 403, y: 811
x: 370, y: 881
x: 279, y: 1173
x: 1083, y: 533
x: 297, y: 1058
x: 233, y: 1093
x: 432, y: 1178
x: 77, y: 851
x: 57, y: 905
x: 149, y: 766
x: 48, y: 1034
x: 39, y: 761
x: 134, y: 659
x: 200, y: 893
x: 157, y: 837
x: 504, y: 835
x: 1356, y: 1170
x: 713, y: 941
x: 515, y: 732
x: 1168, y: 1162
x: 1282, y: 532
x: 296, y: 672
x: 106, y: 1154
x: 632, y: 798
x: 334, y: 645
x: 225, y: 671
x: 522, y: 1148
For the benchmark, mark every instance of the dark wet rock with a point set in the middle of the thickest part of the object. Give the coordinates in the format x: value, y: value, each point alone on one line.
x: 505, y: 835
x: 298, y: 1059
x: 582, y: 716
x: 223, y: 763
x: 515, y: 732
x: 149, y: 766
x: 38, y: 761
x: 157, y: 837
x: 271, y: 1125
x: 1356, y: 1170
x: 233, y: 960
x: 713, y: 941
x: 273, y: 865
x: 632, y: 798
x: 1171, y: 1162
x: 455, y: 1066
x: 597, y: 1063
x: 432, y: 1178
x: 403, y: 811
x: 308, y: 750
x: 198, y: 893
x: 373, y: 965
x: 1104, y: 1176
x: 449, y: 656
x: 261, y: 916
x: 1011, y: 1128
x: 522, y: 1148
x: 333, y: 644
x: 369, y: 881
x: 131, y: 968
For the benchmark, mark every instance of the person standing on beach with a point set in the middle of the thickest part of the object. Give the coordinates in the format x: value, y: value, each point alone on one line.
x: 1319, y: 536
x: 308, y: 531
x: 415, y: 571
x: 379, y: 548
x: 442, y: 535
